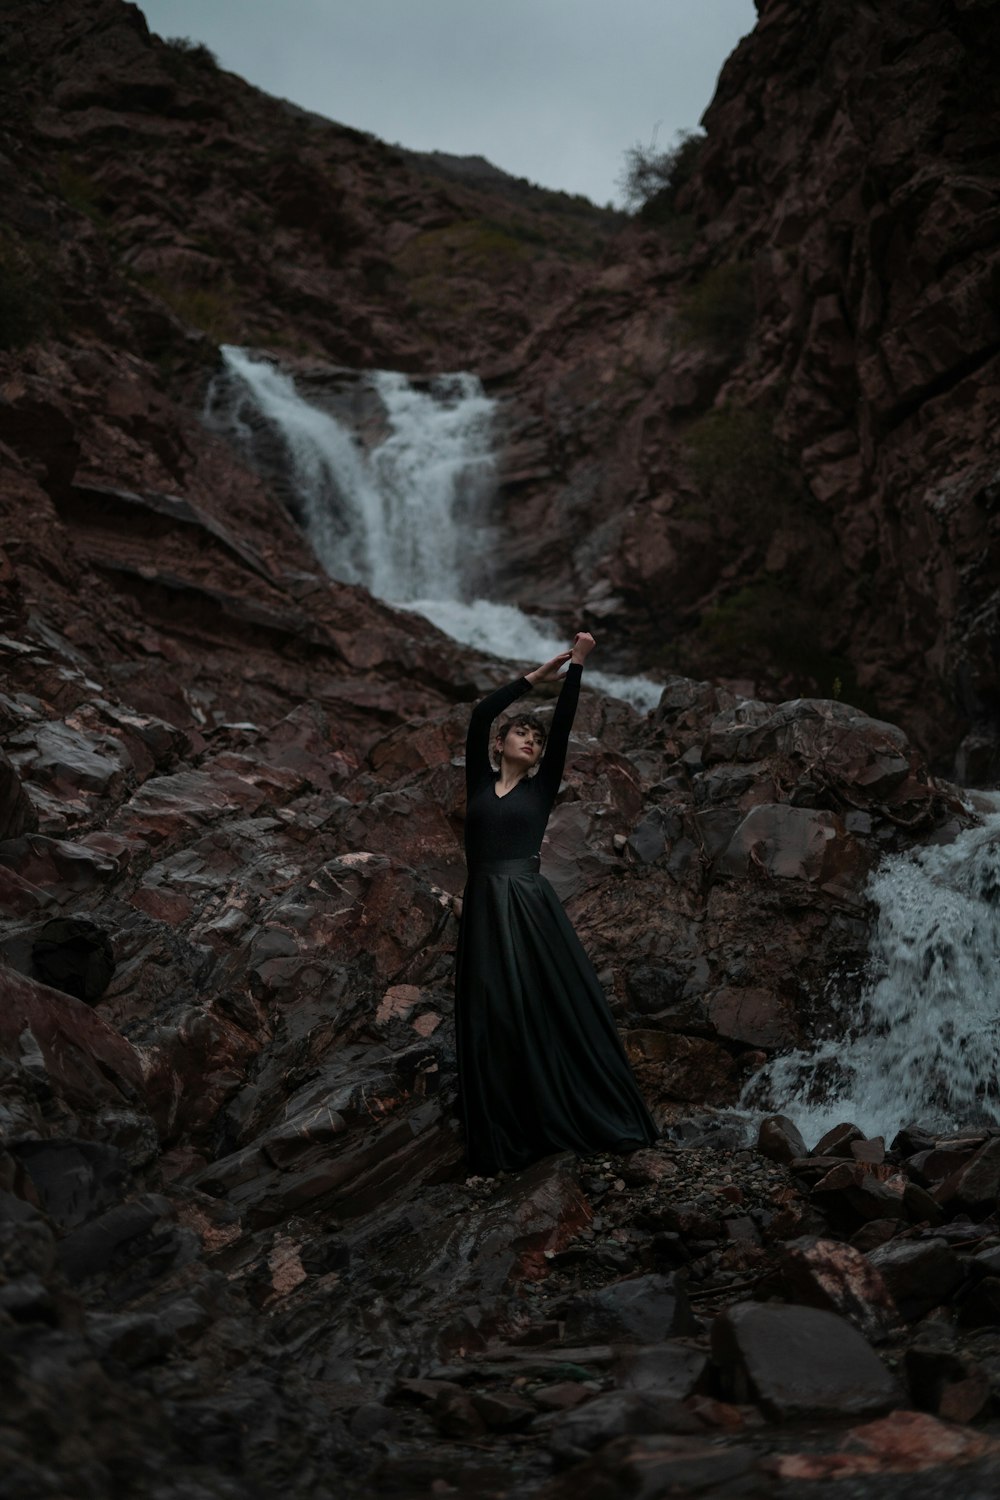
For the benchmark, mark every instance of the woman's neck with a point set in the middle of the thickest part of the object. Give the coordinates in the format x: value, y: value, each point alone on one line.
x: 509, y: 778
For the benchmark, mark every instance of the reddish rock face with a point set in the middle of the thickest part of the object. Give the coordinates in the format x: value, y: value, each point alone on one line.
x: 245, y: 779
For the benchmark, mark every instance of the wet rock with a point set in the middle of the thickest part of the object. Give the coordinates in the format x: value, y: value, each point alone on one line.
x: 638, y: 1310
x: 799, y: 1362
x: 754, y: 1017
x: 651, y: 1466
x: 795, y: 843
x: 855, y: 1192
x: 503, y: 1412
x: 905, y: 1442
x: 976, y: 1184
x: 670, y: 1369
x: 920, y: 1273
x: 950, y: 1384
x: 838, y: 1141
x: 779, y: 1139
x: 578, y: 1432
x: 832, y: 1275
x: 932, y: 1165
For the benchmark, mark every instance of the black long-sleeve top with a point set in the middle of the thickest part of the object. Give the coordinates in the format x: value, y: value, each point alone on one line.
x: 512, y: 826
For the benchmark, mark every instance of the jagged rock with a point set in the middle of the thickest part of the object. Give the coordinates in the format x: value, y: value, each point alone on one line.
x: 578, y: 1432
x: 638, y: 1310
x: 778, y: 1139
x: 976, y: 1184
x: 838, y: 1141
x: 950, y: 1385
x: 799, y: 1362
x: 920, y: 1274
x: 17, y: 815
x: 854, y: 1192
x: 74, y: 955
x: 905, y: 1442
x: 647, y: 1466
x: 74, y: 1179
x: 795, y: 843
x: 831, y: 1275
x: 670, y: 1368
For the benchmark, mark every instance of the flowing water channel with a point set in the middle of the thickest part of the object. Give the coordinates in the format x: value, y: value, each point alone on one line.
x: 404, y: 511
x: 924, y: 1042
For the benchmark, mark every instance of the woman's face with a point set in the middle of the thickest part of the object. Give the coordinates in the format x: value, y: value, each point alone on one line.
x: 521, y: 745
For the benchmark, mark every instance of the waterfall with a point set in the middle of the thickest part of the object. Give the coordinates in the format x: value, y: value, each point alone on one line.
x: 924, y: 1045
x: 402, y: 511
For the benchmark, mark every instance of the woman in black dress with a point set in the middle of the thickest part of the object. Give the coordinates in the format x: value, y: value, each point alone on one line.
x: 540, y: 1064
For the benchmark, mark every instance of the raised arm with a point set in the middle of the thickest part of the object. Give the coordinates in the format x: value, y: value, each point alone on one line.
x: 477, y: 741
x: 554, y: 760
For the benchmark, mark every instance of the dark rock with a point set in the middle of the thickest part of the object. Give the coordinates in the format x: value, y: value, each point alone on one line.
x: 74, y: 1179
x: 838, y: 1141
x: 74, y: 955
x: 97, y: 1245
x: 947, y: 1383
x: 853, y: 1192
x: 976, y: 1184
x: 779, y: 1139
x: 669, y: 1369
x: 578, y: 1432
x: 980, y: 1308
x: 643, y: 1468
x: 639, y: 1310
x: 799, y: 1362
x: 17, y: 815
x: 503, y: 1412
x: 832, y: 1275
x: 935, y: 1163
x: 920, y: 1274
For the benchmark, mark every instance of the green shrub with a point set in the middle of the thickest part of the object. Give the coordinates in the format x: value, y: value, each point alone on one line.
x: 740, y: 468
x: 651, y: 179
x: 215, y: 311
x: 186, y: 50
x: 720, y: 310
x: 772, y: 626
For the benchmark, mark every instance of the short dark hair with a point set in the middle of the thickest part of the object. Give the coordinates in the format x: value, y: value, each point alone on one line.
x: 522, y: 721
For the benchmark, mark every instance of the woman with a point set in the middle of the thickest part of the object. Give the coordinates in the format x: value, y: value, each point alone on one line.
x: 540, y: 1064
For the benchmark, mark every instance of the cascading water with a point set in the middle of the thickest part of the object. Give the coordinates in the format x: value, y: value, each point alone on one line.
x: 925, y: 1042
x: 403, y: 516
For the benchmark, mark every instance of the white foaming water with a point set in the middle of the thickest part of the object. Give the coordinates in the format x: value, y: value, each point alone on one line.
x: 401, y: 518
x: 925, y: 1043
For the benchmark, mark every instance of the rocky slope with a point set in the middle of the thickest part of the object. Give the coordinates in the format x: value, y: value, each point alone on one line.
x: 239, y: 1255
x: 786, y: 467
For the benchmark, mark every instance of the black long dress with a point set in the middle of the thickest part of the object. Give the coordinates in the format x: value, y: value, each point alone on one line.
x: 541, y: 1067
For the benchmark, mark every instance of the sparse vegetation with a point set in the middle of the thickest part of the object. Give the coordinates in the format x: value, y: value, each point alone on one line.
x: 651, y: 179
x: 212, y: 310
x: 183, y: 57
x: 81, y: 192
x: 186, y: 48
x: 771, y: 625
x: 740, y: 467
x: 26, y: 301
x: 720, y: 310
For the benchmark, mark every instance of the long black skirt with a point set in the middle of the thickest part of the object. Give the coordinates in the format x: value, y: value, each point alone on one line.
x: 541, y: 1067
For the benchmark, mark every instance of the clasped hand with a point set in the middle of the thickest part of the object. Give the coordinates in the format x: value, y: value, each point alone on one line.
x: 583, y: 644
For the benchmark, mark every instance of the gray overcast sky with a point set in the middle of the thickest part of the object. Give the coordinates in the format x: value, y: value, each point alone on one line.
x: 551, y: 90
